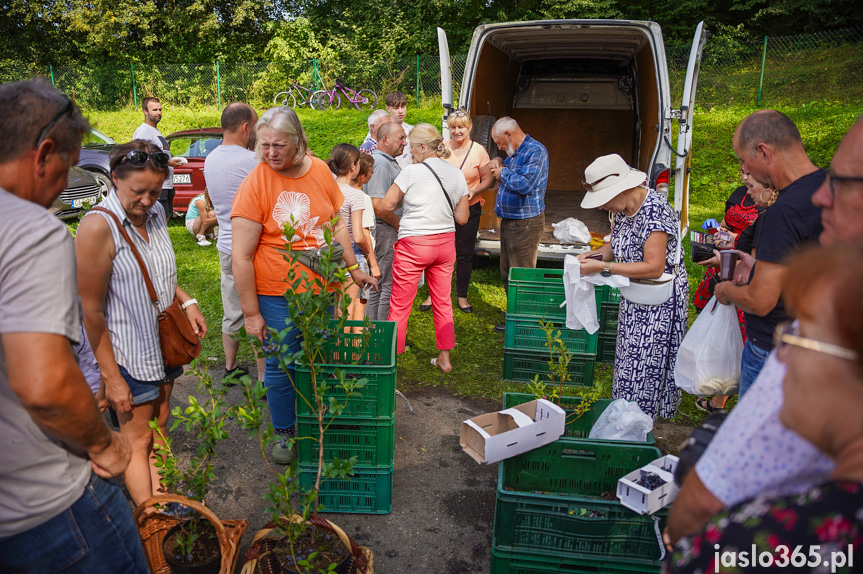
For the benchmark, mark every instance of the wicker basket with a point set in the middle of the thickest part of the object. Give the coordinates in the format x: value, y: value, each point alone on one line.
x: 260, y: 559
x: 153, y: 528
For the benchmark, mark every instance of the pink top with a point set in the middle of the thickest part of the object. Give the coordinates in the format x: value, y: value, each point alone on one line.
x: 476, y: 157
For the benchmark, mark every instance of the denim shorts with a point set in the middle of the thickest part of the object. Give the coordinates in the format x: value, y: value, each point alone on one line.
x: 145, y: 391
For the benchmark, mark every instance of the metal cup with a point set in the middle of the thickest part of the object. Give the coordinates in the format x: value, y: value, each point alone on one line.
x: 727, y: 262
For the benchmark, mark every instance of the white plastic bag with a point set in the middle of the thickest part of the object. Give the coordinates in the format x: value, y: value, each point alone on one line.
x: 708, y: 361
x: 622, y: 420
x: 571, y: 230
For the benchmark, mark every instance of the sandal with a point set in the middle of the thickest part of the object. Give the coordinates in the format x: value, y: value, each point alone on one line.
x: 706, y: 406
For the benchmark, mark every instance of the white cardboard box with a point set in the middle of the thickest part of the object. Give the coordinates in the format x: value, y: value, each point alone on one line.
x: 645, y: 501
x: 493, y: 437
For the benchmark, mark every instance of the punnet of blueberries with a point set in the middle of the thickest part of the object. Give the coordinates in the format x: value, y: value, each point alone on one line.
x: 650, y: 481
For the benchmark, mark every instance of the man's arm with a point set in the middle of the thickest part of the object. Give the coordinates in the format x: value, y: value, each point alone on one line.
x: 45, y: 377
x: 525, y: 179
x: 761, y: 295
x: 387, y: 216
x: 694, y: 506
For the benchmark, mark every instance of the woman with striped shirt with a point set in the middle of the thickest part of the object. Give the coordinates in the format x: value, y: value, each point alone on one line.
x: 119, y: 316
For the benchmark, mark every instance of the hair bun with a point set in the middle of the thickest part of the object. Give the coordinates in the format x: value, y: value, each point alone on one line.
x: 441, y: 147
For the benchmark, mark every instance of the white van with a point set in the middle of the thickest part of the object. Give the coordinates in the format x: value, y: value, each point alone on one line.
x: 582, y: 88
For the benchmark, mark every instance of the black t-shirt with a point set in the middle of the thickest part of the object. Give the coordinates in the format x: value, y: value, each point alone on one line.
x: 789, y: 225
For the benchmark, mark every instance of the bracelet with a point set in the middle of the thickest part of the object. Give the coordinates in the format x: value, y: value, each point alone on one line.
x: 352, y: 267
x: 188, y: 303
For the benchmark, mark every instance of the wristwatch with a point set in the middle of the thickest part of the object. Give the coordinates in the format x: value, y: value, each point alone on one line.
x: 606, y: 270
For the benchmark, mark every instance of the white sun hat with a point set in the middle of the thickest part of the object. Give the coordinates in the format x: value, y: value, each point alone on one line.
x: 606, y: 178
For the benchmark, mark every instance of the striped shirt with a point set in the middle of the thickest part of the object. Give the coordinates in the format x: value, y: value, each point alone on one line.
x: 523, y: 179
x: 132, y: 318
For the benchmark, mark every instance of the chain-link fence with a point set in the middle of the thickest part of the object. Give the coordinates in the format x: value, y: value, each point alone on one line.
x: 768, y: 72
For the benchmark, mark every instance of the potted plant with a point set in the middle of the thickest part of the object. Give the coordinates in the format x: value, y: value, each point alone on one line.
x: 301, y: 541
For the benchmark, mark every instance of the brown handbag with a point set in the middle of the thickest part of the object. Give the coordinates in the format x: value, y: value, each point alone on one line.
x: 178, y: 341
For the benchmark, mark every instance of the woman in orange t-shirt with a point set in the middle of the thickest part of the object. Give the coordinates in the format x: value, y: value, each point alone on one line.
x: 472, y: 159
x: 288, y: 184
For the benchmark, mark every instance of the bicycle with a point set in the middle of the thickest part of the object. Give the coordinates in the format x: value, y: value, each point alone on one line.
x: 289, y: 98
x: 363, y: 100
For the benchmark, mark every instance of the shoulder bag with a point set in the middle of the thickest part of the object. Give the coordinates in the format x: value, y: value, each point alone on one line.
x: 178, y: 341
x: 653, y: 291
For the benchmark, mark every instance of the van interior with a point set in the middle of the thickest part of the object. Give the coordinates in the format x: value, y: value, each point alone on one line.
x: 582, y: 92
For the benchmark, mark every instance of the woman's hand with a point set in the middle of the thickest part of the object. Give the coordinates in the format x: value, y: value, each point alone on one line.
x: 117, y: 393
x: 196, y: 320
x: 591, y: 266
x: 588, y: 255
x: 375, y: 270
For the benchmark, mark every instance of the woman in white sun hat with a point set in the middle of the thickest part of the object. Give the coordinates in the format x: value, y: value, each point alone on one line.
x: 645, y: 234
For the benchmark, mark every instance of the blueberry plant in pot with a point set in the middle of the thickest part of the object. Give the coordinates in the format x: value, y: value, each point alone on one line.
x: 299, y: 539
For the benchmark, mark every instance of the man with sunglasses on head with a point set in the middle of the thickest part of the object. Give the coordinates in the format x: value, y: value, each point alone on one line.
x: 752, y: 453
x: 149, y: 132
x: 57, y: 511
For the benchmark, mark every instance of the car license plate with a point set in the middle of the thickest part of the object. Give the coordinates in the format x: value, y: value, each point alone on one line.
x: 79, y: 203
x: 182, y: 178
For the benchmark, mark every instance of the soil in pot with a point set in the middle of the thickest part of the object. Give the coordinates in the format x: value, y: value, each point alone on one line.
x: 327, y: 547
x: 205, y: 556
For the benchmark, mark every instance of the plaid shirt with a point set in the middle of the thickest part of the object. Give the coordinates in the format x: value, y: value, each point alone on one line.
x: 523, y: 179
x: 369, y: 144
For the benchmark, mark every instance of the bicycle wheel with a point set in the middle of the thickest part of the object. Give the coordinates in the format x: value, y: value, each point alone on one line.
x: 285, y: 99
x: 367, y: 101
x: 324, y: 100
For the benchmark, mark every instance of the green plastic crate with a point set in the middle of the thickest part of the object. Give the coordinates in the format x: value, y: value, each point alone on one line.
x: 606, y: 346
x: 524, y: 563
x: 610, y: 295
x: 367, y: 492
x: 378, y: 398
x: 608, y: 318
x: 372, y: 442
x: 550, y: 502
x: 343, y: 350
x: 526, y: 334
x: 542, y: 299
x: 576, y: 428
x: 520, y: 275
x: 521, y: 366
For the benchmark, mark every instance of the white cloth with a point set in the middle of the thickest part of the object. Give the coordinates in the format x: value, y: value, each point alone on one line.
x: 580, y: 294
x: 426, y: 211
x: 369, y: 217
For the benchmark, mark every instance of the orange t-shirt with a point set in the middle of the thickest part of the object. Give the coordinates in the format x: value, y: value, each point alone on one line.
x: 270, y: 199
x: 477, y: 158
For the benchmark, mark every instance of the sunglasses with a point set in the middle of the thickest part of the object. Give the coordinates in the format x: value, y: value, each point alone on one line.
x: 788, y: 334
x: 832, y: 177
x: 67, y: 109
x: 590, y: 186
x: 138, y: 158
x: 460, y: 114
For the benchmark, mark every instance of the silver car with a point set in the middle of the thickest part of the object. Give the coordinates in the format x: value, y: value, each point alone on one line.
x: 82, y: 190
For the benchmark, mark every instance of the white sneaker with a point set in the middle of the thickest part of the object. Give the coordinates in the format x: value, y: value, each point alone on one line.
x: 202, y: 241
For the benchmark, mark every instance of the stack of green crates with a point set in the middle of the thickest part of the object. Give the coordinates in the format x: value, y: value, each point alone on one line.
x: 536, y: 294
x: 557, y: 510
x: 366, y: 428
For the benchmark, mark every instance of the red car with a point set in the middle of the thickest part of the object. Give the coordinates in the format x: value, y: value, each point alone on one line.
x: 194, y: 145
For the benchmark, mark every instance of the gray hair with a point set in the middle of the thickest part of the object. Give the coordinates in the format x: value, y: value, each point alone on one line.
x: 770, y: 127
x: 504, y: 124
x: 285, y: 120
x: 376, y: 116
x: 26, y: 108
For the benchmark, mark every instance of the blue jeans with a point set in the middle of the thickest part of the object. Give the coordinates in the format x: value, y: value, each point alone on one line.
x: 281, y: 394
x: 96, y: 535
x: 750, y: 365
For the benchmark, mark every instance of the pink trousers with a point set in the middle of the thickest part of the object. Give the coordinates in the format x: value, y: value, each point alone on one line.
x: 434, y: 254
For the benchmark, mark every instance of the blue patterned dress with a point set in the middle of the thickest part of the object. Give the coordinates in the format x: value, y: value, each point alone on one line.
x: 648, y: 336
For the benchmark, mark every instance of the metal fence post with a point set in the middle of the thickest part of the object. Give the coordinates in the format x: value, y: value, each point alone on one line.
x: 51, y: 69
x: 761, y: 81
x: 418, y: 80
x: 134, y: 88
x: 218, y: 84
x: 315, y: 74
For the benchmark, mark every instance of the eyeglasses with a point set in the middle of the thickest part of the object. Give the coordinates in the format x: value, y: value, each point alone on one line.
x: 832, y: 177
x: 67, y: 109
x: 460, y: 114
x: 138, y: 158
x: 788, y: 333
x: 590, y: 186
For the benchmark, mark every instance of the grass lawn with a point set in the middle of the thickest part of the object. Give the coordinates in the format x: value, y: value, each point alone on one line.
x: 478, y: 358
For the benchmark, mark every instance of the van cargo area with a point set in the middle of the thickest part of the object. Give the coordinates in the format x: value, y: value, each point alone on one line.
x: 581, y: 88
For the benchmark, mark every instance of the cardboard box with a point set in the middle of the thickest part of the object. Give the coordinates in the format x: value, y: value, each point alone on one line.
x: 643, y: 500
x: 493, y: 437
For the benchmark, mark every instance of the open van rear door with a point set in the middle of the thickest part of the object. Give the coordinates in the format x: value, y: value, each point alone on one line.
x: 445, y: 79
x: 684, y: 135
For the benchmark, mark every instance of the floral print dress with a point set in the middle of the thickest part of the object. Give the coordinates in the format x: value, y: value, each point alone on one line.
x: 819, y: 524
x: 648, y: 336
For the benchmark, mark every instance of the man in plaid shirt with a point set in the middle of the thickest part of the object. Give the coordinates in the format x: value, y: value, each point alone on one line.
x: 520, y: 203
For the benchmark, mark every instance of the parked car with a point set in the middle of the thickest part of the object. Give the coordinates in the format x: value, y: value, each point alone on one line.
x: 583, y: 88
x: 194, y: 145
x: 94, y: 158
x: 82, y: 190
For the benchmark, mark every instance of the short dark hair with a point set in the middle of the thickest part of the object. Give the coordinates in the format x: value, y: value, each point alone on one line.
x: 146, y: 102
x: 235, y: 114
x: 122, y: 169
x: 26, y: 108
x: 770, y: 127
x: 396, y: 99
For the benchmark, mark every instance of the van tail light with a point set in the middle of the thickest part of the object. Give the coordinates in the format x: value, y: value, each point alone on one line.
x: 662, y: 181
